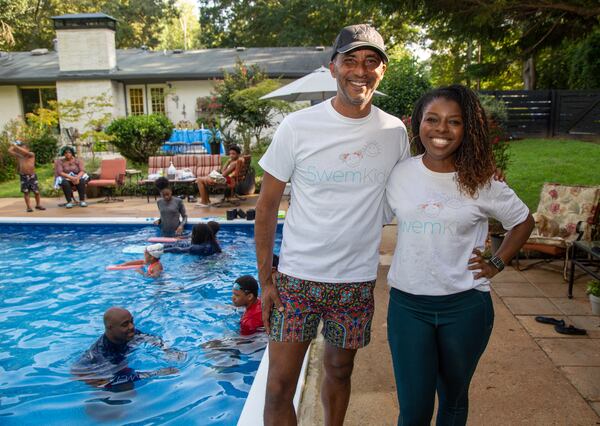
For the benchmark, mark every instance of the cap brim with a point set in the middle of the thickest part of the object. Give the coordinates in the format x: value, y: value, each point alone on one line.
x: 355, y: 45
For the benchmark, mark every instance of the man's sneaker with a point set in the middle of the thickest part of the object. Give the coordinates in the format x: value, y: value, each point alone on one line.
x: 83, y: 204
x: 69, y: 205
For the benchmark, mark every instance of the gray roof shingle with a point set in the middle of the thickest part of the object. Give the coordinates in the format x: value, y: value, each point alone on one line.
x: 137, y: 65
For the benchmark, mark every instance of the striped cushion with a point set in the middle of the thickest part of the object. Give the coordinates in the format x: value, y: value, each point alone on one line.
x: 206, y: 164
x: 155, y: 164
x: 185, y: 162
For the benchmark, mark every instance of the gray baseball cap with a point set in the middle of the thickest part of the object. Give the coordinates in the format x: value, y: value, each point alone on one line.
x: 361, y: 35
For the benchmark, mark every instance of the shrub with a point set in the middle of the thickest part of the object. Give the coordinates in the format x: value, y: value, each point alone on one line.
x: 495, y: 110
x: 593, y: 288
x: 404, y: 82
x: 45, y: 146
x: 138, y: 137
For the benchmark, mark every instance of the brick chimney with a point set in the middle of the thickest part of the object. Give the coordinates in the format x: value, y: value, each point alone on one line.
x: 86, y: 41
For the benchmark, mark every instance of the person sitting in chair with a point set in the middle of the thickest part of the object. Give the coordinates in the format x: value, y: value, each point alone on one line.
x: 69, y: 172
x: 221, y: 176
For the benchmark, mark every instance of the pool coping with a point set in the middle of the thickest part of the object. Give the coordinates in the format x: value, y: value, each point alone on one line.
x: 252, y: 413
x: 118, y: 220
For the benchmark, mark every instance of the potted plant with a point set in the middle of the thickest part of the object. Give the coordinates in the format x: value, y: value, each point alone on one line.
x: 593, y: 289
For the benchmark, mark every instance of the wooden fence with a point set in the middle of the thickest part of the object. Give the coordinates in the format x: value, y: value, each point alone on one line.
x: 548, y: 113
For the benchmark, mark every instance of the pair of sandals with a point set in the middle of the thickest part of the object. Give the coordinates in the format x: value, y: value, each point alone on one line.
x: 29, y: 209
x: 561, y: 327
x: 235, y: 213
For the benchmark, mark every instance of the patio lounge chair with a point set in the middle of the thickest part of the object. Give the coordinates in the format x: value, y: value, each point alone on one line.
x: 231, y: 198
x: 112, y: 175
x: 566, y: 210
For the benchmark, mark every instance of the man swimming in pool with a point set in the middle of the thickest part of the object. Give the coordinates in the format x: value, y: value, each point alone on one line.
x: 104, y: 364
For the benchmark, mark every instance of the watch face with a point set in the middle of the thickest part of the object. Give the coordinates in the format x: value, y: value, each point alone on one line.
x: 497, y: 262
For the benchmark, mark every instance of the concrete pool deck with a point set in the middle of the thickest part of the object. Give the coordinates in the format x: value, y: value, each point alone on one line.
x: 528, y: 375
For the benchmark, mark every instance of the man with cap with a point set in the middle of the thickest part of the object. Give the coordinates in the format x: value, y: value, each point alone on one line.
x: 337, y: 155
x: 104, y: 364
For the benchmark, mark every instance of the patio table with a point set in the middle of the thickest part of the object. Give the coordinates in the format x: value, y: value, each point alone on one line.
x: 188, y: 184
x: 589, y: 262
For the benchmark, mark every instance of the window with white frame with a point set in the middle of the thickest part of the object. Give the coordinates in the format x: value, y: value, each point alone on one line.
x: 157, y: 100
x: 137, y: 101
x: 146, y: 99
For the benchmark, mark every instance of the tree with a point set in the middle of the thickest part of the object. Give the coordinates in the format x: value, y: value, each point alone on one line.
x: 520, y: 29
x: 238, y: 97
x: 231, y: 23
x: 183, y: 31
x: 404, y: 82
x: 139, y: 22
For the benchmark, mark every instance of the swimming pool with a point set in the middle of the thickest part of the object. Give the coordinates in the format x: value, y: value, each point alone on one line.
x: 53, y: 292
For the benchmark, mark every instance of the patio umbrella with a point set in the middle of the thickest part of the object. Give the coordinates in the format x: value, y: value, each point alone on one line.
x: 316, y: 86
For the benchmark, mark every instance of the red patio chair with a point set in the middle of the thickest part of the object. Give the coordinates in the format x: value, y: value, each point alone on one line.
x: 112, y: 174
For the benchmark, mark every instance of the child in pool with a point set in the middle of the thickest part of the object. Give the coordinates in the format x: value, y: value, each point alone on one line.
x: 173, y: 216
x: 152, y: 256
x: 203, y: 242
x: 245, y: 293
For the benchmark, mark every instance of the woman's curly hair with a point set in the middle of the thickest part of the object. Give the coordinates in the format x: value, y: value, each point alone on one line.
x: 474, y: 158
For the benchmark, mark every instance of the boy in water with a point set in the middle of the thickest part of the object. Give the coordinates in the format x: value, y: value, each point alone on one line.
x: 245, y: 293
x: 29, y: 180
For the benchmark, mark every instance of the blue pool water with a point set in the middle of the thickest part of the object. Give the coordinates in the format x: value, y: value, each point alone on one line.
x: 53, y: 291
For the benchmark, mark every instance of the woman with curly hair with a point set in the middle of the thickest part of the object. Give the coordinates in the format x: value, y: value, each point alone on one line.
x: 440, y: 313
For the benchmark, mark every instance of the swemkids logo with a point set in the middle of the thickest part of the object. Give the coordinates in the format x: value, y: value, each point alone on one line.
x: 428, y: 227
x: 360, y: 176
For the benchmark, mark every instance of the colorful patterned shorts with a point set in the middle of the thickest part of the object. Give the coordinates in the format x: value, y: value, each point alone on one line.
x: 29, y: 183
x: 345, y: 308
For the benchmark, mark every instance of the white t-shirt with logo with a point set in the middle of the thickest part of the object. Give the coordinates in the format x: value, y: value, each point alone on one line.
x: 438, y: 228
x: 338, y: 167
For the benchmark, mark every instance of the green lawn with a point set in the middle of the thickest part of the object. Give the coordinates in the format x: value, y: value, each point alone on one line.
x: 45, y: 174
x: 535, y: 161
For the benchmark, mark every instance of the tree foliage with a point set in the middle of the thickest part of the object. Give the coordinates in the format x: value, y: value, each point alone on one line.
x: 509, y: 31
x: 238, y: 97
x: 139, y: 22
x: 404, y: 82
x: 231, y: 23
x: 182, y: 31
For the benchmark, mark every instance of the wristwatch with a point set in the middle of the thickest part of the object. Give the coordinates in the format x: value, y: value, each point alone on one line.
x: 497, y: 263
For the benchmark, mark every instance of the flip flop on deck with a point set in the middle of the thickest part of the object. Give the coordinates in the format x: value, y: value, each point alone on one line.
x: 550, y: 320
x: 570, y: 330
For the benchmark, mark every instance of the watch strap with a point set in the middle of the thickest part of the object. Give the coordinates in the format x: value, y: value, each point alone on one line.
x: 497, y: 263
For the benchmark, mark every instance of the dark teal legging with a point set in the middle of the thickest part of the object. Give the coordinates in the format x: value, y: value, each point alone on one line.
x: 436, y: 343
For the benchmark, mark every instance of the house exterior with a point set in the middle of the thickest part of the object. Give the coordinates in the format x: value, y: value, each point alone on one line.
x: 86, y: 63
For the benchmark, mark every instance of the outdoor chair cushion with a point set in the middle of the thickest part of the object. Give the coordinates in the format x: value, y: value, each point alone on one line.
x: 567, y: 205
x: 206, y: 164
x: 156, y: 164
x: 112, y: 173
x: 185, y: 162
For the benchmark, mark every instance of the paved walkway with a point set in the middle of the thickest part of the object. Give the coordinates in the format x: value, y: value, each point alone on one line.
x: 528, y: 375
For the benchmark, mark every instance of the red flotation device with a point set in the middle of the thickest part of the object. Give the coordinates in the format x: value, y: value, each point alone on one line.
x: 122, y: 267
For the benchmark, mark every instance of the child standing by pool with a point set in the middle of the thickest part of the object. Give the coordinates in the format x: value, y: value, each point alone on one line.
x: 152, y: 255
x: 29, y: 179
x: 172, y: 211
x: 245, y: 293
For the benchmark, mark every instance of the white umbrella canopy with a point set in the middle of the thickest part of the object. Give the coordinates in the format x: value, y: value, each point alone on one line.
x: 316, y: 86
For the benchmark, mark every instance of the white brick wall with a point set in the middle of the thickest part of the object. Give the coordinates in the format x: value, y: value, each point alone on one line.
x: 186, y: 92
x: 86, y: 49
x: 76, y: 90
